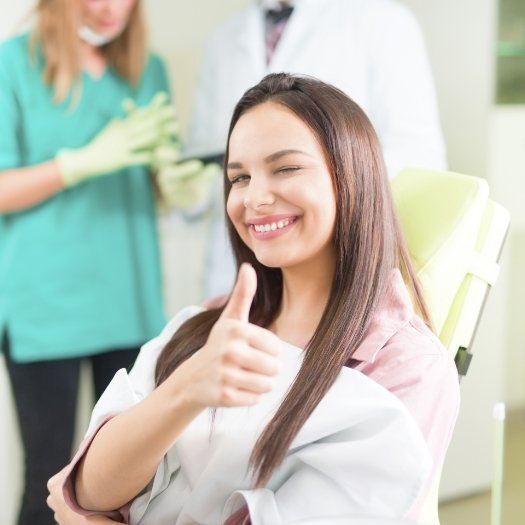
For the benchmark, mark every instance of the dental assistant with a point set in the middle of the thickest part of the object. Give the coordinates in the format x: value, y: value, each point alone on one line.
x: 79, y: 256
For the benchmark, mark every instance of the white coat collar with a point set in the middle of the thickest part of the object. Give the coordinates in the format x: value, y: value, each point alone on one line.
x: 251, y: 35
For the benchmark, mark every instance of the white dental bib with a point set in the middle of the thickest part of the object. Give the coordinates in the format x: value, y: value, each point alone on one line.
x: 359, y: 456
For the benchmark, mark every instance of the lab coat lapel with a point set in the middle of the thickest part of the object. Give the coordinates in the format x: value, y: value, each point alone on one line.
x: 251, y: 41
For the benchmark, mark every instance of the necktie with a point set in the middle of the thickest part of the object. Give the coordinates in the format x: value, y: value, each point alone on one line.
x: 276, y: 20
x: 277, y: 15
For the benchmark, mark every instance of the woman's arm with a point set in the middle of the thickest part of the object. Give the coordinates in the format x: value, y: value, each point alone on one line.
x: 129, y: 448
x: 62, y: 513
x: 234, y: 368
x: 21, y: 188
x: 121, y: 143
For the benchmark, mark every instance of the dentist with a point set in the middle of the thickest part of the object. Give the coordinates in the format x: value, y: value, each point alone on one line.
x: 372, y: 50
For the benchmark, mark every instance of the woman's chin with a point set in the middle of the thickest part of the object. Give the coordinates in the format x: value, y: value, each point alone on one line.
x: 273, y: 260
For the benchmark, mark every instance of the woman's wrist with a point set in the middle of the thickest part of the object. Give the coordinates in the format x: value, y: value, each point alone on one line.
x: 73, y: 165
x: 176, y: 391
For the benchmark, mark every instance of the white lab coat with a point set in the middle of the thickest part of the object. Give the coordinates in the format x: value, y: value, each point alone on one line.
x: 373, y: 50
x: 359, y: 458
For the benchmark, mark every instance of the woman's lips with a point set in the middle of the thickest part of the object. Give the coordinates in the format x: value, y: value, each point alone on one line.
x: 107, y: 25
x: 273, y: 233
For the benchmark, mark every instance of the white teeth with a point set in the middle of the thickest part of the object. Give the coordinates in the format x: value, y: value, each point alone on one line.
x: 272, y: 226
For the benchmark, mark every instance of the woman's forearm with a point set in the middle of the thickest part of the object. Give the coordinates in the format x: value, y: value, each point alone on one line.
x: 127, y: 450
x: 22, y: 188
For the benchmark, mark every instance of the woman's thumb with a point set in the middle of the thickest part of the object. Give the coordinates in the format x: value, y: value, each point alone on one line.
x: 240, y: 302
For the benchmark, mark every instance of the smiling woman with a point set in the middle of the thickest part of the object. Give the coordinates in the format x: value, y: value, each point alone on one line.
x: 352, y: 399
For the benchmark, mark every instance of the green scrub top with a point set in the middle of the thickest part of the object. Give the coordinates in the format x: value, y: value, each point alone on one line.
x: 79, y: 272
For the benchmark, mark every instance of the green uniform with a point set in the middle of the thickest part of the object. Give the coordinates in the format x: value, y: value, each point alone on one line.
x: 79, y: 272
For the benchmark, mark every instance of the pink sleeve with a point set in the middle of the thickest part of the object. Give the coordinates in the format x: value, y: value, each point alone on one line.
x: 68, y: 488
x: 428, y: 386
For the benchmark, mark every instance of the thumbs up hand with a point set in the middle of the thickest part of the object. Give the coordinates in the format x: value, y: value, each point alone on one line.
x: 239, y: 360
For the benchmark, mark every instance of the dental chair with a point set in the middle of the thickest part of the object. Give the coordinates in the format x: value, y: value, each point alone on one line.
x: 455, y: 235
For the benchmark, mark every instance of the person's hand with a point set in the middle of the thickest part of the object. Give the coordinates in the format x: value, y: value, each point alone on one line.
x: 168, y: 149
x: 185, y: 185
x: 122, y: 143
x: 188, y: 185
x: 239, y: 360
x: 63, y: 514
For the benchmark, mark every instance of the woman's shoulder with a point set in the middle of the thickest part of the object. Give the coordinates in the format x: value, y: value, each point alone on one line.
x: 398, y: 339
x: 416, y: 343
x: 155, y: 64
x: 15, y: 49
x: 154, y: 76
x: 16, y: 43
x: 414, y: 361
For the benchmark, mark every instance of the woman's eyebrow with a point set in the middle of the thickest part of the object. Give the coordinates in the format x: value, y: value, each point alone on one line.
x: 275, y: 156
x: 270, y: 158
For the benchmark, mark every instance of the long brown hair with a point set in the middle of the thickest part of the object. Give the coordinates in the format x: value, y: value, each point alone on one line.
x: 56, y: 36
x: 368, y: 244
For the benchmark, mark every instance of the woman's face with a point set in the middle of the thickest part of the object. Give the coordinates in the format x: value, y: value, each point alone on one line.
x: 106, y: 17
x: 282, y: 200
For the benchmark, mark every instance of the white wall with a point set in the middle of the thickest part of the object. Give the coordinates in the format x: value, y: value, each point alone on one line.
x: 460, y: 41
x: 506, y: 173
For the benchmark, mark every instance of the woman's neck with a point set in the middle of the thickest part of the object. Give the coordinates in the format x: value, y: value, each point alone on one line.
x: 93, y: 60
x: 306, y: 289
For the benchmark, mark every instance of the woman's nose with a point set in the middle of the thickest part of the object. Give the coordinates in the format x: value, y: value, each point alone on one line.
x: 258, y: 193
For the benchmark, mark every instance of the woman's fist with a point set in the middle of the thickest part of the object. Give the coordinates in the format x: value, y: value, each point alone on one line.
x: 239, y: 361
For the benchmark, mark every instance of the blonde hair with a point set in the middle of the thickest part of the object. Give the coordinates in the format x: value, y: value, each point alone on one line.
x: 56, y: 35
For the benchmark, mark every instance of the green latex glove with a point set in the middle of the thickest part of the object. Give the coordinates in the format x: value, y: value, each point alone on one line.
x: 184, y: 185
x: 160, y: 102
x: 167, y: 151
x: 123, y: 142
x: 187, y: 186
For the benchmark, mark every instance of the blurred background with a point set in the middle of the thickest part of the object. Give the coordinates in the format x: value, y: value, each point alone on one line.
x: 477, y: 53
